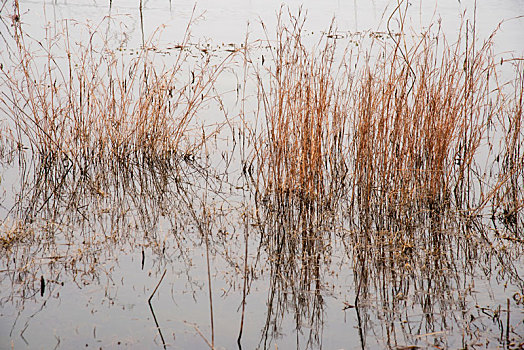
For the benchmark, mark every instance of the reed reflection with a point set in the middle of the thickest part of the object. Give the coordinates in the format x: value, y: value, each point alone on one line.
x: 296, y: 237
x: 417, y: 279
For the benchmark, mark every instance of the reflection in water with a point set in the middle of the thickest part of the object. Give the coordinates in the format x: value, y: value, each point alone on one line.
x: 419, y: 277
x: 416, y: 276
x: 153, y: 311
x: 74, y: 217
x: 75, y: 221
x: 414, y: 269
x: 296, y: 237
x: 419, y: 281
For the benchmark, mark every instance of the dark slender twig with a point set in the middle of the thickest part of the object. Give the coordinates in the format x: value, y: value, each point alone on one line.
x: 157, y: 325
x: 161, y: 278
x: 360, y: 332
x: 210, y: 291
x: 507, y: 323
x: 153, y: 312
x: 245, y: 286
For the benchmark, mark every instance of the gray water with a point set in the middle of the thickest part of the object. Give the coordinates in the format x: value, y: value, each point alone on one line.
x: 81, y: 275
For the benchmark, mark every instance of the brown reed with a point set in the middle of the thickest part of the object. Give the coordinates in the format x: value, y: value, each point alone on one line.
x: 88, y: 101
x: 305, y: 116
x: 419, y: 116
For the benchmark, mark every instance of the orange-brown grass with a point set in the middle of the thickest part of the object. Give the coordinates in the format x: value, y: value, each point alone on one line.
x: 419, y: 116
x: 407, y: 123
x: 92, y: 102
x: 304, y: 105
x: 304, y: 93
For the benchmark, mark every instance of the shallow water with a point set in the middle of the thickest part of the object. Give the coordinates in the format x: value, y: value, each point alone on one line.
x: 82, y: 255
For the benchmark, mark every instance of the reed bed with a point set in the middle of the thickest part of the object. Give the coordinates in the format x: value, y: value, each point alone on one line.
x: 389, y: 151
x: 406, y: 125
x: 301, y: 152
x: 385, y: 151
x: 400, y: 127
x: 87, y: 102
x: 420, y: 115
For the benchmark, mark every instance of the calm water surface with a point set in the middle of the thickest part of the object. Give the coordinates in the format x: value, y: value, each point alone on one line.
x: 120, y: 261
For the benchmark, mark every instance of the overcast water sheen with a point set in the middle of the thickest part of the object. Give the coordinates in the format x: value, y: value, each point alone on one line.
x: 81, y: 277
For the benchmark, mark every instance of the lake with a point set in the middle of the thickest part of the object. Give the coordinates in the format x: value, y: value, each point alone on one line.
x: 261, y: 175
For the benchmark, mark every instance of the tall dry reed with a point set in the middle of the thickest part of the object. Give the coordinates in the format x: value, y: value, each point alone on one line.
x: 87, y: 101
x: 305, y: 109
x: 419, y: 116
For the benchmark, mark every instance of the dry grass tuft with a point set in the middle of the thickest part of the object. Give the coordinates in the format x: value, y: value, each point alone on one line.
x: 87, y: 102
x: 305, y: 107
x: 420, y: 114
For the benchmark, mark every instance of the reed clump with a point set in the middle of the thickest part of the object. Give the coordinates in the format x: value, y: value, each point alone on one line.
x: 89, y: 102
x: 420, y: 114
x: 434, y: 140
x: 301, y: 150
x: 301, y: 169
x: 404, y: 127
x: 300, y: 155
x: 394, y: 146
